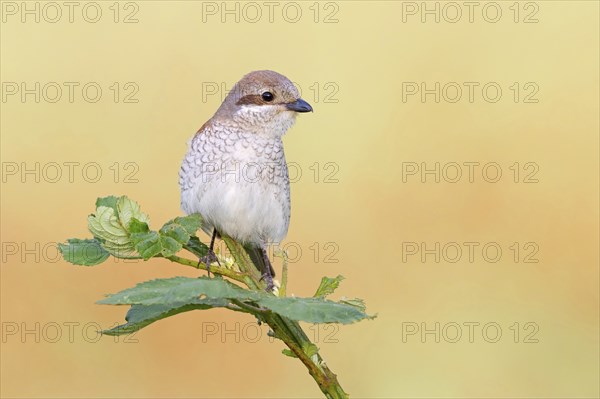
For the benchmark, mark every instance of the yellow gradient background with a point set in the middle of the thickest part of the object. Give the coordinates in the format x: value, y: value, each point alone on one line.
x: 171, y: 54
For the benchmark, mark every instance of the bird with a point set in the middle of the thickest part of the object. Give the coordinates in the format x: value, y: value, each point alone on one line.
x: 235, y: 174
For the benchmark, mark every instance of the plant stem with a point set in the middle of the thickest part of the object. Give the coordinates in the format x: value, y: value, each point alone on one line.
x: 289, y: 331
x: 222, y: 271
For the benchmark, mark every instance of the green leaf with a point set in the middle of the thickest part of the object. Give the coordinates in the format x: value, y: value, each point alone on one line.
x: 196, y: 247
x: 83, y: 252
x: 169, y: 245
x: 356, y: 302
x: 105, y: 224
x: 106, y: 227
x: 152, y: 243
x: 111, y: 222
x: 310, y: 349
x: 128, y: 209
x: 176, y: 232
x: 140, y: 316
x: 137, y: 226
x: 182, y: 228
x: 328, y: 286
x: 313, y: 310
x: 289, y: 353
x: 190, y: 223
x: 179, y: 290
x: 186, y: 290
x: 147, y: 244
x: 167, y: 241
x: 109, y: 202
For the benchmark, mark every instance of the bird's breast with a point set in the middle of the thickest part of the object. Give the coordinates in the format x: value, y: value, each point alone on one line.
x: 239, y: 183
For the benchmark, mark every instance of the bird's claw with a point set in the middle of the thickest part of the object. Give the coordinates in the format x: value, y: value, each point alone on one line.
x: 208, y: 259
x: 269, y: 279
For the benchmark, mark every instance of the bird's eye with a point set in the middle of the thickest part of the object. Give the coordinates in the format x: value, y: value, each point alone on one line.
x: 267, y: 96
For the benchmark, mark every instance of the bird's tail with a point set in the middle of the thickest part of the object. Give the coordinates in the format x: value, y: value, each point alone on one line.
x: 256, y: 255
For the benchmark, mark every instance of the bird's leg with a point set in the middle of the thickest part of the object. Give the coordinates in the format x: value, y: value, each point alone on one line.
x: 210, y: 256
x: 267, y: 272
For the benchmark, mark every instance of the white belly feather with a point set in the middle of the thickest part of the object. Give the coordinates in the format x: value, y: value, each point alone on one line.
x: 239, y: 188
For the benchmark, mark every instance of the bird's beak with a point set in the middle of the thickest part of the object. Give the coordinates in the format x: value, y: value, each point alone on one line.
x: 299, y: 106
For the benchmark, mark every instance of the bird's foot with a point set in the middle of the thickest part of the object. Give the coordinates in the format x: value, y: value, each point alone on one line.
x: 208, y: 259
x: 269, y: 279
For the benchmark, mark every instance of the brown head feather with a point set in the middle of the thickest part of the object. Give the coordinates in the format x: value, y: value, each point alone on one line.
x: 249, y: 90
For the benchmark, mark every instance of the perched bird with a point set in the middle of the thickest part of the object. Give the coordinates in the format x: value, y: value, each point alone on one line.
x: 235, y: 174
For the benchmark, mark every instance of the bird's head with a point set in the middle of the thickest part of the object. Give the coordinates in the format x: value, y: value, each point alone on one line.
x: 264, y: 102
